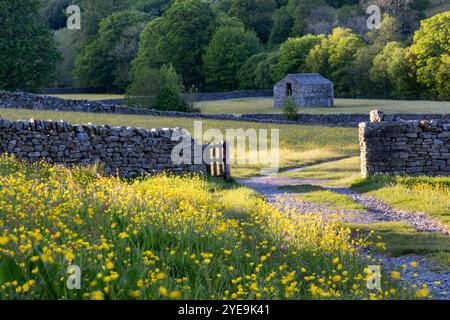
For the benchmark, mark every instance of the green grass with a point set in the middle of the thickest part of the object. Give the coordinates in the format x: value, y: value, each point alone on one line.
x: 337, y: 173
x: 422, y: 194
x: 327, y: 198
x: 299, y: 145
x: 203, y: 239
x: 401, y: 239
x: 265, y: 105
x: 92, y: 97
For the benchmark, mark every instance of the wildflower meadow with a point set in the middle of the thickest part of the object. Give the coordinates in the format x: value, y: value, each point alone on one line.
x: 168, y: 237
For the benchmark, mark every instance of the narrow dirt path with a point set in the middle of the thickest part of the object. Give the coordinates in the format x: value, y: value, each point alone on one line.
x: 375, y: 211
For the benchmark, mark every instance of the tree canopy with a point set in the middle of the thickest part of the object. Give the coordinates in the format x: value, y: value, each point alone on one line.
x: 228, y: 50
x: 28, y: 51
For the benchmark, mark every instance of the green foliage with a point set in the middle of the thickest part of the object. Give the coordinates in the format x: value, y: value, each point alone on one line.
x: 187, y: 27
x: 28, y: 52
x: 443, y: 77
x: 343, y: 47
x: 334, y: 57
x: 150, y: 53
x: 390, y: 30
x: 159, y: 89
x: 381, y: 74
x: 105, y: 62
x: 302, y: 11
x: 265, y: 71
x: 95, y: 11
x: 290, y: 109
x: 228, y: 50
x: 224, y: 20
x: 282, y: 27
x: 54, y: 13
x: 246, y: 75
x: 432, y: 48
x: 392, y: 74
x: 154, y: 7
x: 256, y: 15
x: 68, y: 44
x: 293, y: 53
x: 341, y: 3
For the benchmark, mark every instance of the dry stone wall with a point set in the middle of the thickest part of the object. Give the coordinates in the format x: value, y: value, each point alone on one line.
x: 417, y: 147
x: 36, y: 102
x: 128, y: 152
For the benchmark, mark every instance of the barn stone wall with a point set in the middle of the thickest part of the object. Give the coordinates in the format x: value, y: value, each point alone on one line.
x: 129, y: 152
x: 309, y: 96
x: 405, y: 147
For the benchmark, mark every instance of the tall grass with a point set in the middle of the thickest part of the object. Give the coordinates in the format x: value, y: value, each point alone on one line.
x: 423, y: 194
x: 166, y: 237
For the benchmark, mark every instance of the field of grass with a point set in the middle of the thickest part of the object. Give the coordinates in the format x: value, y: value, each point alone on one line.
x: 92, y: 97
x: 327, y: 198
x: 337, y: 173
x: 265, y: 105
x: 422, y: 194
x: 299, y: 145
x: 167, y: 238
x: 401, y: 239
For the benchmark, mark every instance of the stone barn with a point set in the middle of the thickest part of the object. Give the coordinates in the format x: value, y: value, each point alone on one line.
x: 307, y: 89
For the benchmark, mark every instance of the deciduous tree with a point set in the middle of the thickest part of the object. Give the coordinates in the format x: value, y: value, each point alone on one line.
x: 28, y: 51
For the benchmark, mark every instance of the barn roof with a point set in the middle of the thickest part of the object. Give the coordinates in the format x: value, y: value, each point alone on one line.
x: 306, y: 78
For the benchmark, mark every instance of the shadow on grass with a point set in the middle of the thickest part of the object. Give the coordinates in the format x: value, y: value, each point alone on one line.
x: 401, y: 239
x: 363, y: 185
x: 302, y: 188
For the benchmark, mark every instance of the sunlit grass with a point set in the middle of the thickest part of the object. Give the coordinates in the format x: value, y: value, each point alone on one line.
x: 402, y: 239
x: 336, y: 173
x: 88, y: 96
x: 166, y: 237
x: 299, y: 145
x: 421, y: 194
x: 364, y: 106
x: 327, y: 198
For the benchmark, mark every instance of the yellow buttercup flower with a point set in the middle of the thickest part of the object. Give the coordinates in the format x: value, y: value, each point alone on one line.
x: 395, y: 275
x: 163, y: 291
x: 97, y: 295
x: 422, y: 293
x: 175, y: 295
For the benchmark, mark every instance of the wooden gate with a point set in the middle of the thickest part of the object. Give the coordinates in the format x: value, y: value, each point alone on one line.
x: 218, y: 159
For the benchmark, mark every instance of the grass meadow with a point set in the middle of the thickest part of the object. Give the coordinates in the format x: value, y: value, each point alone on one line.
x: 331, y: 155
x: 265, y: 105
x: 88, y: 96
x: 168, y: 237
x: 299, y: 145
x: 420, y: 194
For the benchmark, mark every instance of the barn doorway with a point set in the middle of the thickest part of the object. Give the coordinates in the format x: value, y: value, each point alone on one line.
x: 289, y: 89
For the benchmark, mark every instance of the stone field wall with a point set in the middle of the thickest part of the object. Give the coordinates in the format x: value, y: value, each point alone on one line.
x: 128, y: 152
x: 37, y: 102
x: 417, y: 147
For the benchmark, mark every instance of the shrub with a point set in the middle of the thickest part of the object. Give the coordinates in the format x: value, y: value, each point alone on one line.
x: 159, y: 89
x: 290, y: 109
